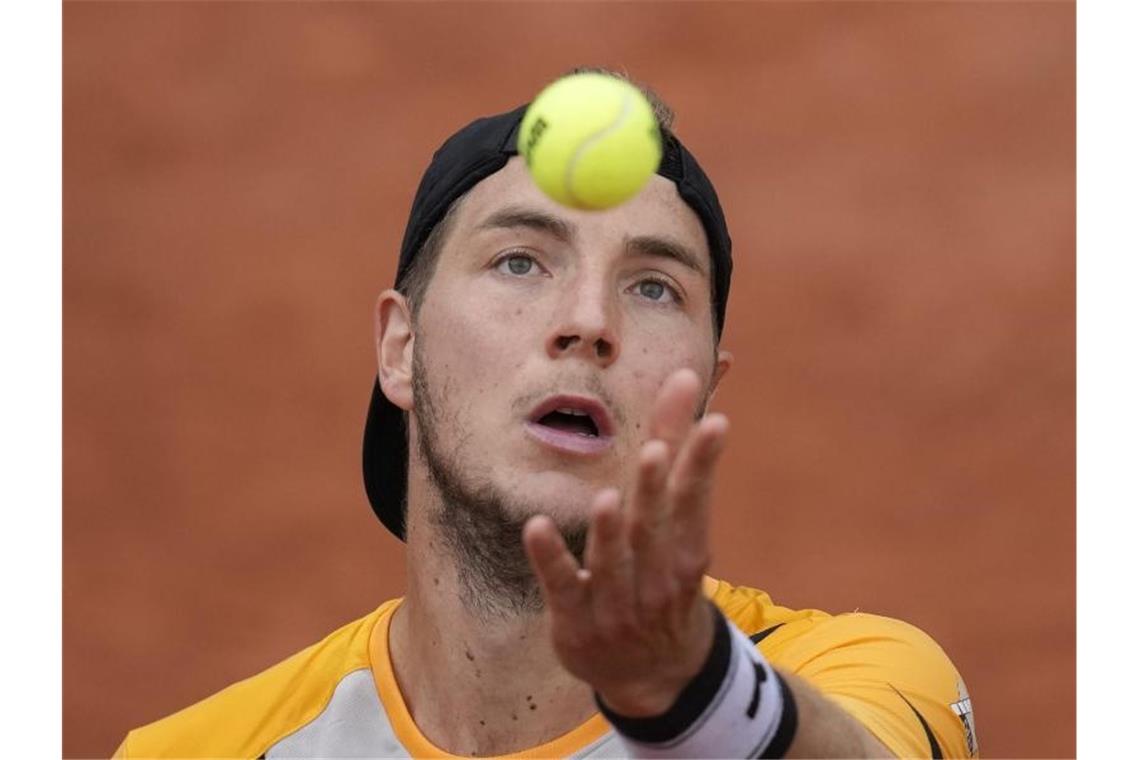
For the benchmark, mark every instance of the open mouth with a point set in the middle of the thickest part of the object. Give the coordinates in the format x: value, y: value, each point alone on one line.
x: 571, y: 421
x: 572, y: 424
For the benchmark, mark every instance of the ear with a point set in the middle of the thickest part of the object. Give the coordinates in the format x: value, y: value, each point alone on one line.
x: 724, y: 361
x: 395, y: 339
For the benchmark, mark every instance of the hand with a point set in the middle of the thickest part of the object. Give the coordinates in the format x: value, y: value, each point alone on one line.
x: 633, y: 622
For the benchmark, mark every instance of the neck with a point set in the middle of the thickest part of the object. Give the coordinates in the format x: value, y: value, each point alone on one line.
x: 477, y: 679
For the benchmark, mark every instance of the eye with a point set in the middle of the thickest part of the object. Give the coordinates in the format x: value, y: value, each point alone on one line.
x: 518, y: 264
x: 657, y: 291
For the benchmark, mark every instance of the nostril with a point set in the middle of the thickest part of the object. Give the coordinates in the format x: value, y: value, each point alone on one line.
x: 603, y: 348
x: 565, y: 341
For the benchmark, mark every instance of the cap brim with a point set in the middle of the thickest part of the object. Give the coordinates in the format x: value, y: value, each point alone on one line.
x: 385, y: 460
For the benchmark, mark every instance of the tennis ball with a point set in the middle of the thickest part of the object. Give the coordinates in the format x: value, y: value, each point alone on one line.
x: 590, y: 141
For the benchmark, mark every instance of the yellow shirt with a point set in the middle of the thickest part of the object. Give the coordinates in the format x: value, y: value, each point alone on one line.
x: 339, y: 697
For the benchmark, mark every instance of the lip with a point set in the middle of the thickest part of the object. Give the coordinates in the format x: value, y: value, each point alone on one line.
x: 572, y: 442
x: 569, y: 443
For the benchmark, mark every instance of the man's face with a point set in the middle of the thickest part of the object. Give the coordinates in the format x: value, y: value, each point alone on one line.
x: 546, y: 332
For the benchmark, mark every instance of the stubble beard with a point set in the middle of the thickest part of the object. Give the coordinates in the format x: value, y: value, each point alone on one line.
x: 478, y: 524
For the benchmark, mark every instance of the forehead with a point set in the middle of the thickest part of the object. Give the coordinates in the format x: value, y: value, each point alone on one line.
x: 657, y: 210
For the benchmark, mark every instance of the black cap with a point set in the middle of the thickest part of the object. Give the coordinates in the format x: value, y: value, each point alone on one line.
x: 469, y: 156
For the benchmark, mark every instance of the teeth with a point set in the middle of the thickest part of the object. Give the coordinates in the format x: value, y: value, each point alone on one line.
x: 575, y: 412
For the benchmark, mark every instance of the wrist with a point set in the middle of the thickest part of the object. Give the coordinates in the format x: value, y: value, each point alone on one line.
x: 656, y: 694
x: 737, y: 706
x: 650, y: 699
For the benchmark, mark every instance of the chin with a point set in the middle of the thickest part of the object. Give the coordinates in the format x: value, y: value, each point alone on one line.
x: 564, y: 497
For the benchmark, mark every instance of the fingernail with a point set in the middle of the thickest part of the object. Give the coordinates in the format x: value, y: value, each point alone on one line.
x: 717, y: 420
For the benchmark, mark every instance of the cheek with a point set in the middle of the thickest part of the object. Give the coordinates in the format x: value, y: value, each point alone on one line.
x: 478, y: 343
x: 650, y: 364
x: 661, y: 349
x: 671, y: 337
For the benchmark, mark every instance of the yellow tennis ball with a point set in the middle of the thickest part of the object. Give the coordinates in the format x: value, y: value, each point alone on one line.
x: 590, y: 141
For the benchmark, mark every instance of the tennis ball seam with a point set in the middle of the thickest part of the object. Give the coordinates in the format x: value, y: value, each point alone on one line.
x: 572, y: 164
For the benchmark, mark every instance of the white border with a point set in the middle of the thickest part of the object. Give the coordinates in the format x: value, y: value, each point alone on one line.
x: 30, y: 294
x: 1108, y: 451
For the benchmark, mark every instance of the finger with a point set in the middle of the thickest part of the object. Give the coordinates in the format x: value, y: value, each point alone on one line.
x: 674, y: 409
x: 650, y: 530
x: 610, y: 565
x: 689, y: 493
x: 559, y: 575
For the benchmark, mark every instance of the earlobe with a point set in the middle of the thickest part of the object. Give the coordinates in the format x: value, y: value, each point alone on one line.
x: 395, y: 339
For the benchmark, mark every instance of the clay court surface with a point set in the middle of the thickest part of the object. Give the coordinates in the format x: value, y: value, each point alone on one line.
x: 899, y: 180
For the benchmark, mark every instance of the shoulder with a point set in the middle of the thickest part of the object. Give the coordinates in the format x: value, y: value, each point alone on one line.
x: 243, y: 719
x: 892, y: 676
x: 797, y: 637
x: 889, y: 674
x: 754, y: 612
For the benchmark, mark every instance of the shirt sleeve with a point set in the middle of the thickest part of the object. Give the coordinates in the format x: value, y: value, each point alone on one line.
x: 889, y: 675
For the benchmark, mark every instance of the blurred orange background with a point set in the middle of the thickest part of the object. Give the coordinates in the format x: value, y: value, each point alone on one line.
x: 899, y: 180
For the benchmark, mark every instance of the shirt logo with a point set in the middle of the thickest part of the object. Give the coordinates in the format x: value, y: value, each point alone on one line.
x: 965, y: 712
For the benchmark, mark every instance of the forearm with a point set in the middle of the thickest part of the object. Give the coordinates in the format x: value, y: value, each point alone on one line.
x: 827, y: 730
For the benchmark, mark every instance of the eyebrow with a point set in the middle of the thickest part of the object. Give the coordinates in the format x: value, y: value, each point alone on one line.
x: 660, y: 247
x: 511, y: 217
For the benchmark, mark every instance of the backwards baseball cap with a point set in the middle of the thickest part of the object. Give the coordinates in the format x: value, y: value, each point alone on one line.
x: 469, y: 156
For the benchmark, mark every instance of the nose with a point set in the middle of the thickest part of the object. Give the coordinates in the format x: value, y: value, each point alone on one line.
x: 585, y: 327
